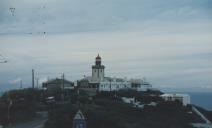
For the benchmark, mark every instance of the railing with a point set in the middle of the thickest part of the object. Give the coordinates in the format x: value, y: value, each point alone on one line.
x: 201, y: 115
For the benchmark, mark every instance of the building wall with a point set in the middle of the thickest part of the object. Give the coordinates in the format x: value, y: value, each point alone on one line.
x: 97, y: 74
x: 58, y: 85
x: 113, y: 86
x: 184, y: 99
x: 52, y: 86
x: 140, y: 84
x: 141, y: 87
x: 102, y: 83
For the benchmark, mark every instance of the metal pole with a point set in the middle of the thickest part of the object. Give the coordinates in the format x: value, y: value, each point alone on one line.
x: 8, y: 115
x: 63, y: 82
x: 63, y: 86
x: 110, y: 85
x: 20, y: 84
x: 37, y: 81
x: 33, y: 78
x: 8, y: 112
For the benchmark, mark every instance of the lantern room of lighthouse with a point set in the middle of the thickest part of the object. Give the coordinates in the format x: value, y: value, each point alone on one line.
x: 98, y: 72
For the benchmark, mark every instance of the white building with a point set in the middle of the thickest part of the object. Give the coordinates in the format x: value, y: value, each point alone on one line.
x: 140, y: 84
x: 114, y: 84
x: 99, y: 82
x: 58, y: 83
x: 183, y: 98
x: 128, y: 100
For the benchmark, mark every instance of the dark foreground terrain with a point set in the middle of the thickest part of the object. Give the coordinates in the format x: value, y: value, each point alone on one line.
x: 104, y: 110
x: 108, y: 111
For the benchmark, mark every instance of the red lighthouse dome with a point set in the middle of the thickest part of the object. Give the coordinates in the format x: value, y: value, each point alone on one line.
x: 98, y: 57
x: 98, y: 60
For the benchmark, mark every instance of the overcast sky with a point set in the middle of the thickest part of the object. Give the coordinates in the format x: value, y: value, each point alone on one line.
x: 167, y: 41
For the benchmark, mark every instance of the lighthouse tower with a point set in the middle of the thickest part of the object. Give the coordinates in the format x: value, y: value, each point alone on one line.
x: 98, y: 72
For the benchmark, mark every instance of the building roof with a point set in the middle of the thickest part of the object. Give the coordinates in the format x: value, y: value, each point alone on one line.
x: 79, y: 115
x: 98, y: 57
x: 58, y: 81
x: 108, y: 78
x: 112, y: 79
x: 87, y: 78
x: 136, y: 81
x: 174, y: 95
x: 119, y: 80
x: 105, y: 79
x: 98, y: 66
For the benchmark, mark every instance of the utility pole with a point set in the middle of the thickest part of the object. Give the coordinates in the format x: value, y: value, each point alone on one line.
x: 110, y: 84
x: 37, y: 81
x: 33, y: 82
x: 63, y: 81
x: 63, y: 86
x: 9, y: 112
x: 78, y: 102
x: 20, y: 84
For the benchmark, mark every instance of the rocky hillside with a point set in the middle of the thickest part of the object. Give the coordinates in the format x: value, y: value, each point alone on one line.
x: 106, y: 110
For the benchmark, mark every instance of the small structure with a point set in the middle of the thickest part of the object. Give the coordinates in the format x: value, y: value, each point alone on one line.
x: 50, y: 100
x: 140, y: 84
x: 58, y: 83
x: 183, y: 98
x: 79, y: 120
x: 113, y: 84
x: 128, y: 100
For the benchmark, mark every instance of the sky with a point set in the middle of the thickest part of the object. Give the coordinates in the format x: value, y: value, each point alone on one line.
x: 169, y: 42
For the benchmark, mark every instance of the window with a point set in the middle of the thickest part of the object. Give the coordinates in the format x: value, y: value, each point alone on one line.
x: 169, y: 98
x: 98, y: 73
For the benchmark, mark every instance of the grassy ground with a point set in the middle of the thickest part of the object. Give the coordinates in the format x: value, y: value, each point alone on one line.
x: 105, y: 110
x: 110, y: 112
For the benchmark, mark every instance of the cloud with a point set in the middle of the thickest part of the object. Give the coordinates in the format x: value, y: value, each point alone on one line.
x: 41, y: 80
x: 15, y: 81
x: 68, y: 16
x: 162, y: 40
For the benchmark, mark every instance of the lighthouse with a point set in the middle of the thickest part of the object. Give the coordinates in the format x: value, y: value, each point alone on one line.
x: 98, y: 72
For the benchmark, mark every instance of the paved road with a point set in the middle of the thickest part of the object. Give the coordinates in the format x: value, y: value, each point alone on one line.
x: 201, y: 125
x: 207, y: 123
x: 38, y: 122
x: 201, y: 115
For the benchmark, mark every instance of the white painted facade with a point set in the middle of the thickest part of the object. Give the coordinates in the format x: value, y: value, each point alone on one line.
x: 57, y: 83
x: 98, y: 72
x: 183, y: 98
x: 128, y: 100
x: 113, y: 85
x: 140, y: 84
x: 103, y: 83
